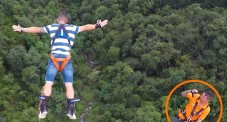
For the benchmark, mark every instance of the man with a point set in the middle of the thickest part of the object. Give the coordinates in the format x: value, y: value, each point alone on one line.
x: 62, y: 39
x: 197, y: 109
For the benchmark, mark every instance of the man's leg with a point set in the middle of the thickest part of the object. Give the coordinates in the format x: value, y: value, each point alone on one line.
x: 46, y: 92
x: 68, y: 80
x: 47, y: 88
x: 69, y: 90
x: 51, y: 73
x: 70, y: 100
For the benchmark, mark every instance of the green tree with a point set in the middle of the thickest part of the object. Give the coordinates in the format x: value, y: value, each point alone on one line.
x: 147, y: 113
x: 15, y: 58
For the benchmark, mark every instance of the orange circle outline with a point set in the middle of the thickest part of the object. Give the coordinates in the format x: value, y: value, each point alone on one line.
x: 191, y: 81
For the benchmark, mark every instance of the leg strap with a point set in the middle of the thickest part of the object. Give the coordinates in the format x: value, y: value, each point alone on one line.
x: 72, y: 101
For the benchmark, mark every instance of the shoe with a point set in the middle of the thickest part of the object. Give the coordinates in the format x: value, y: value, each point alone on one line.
x: 71, y: 113
x: 42, y: 115
x: 71, y: 105
x: 43, y: 111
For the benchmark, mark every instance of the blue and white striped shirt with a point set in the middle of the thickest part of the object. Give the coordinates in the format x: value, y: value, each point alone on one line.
x: 61, y: 44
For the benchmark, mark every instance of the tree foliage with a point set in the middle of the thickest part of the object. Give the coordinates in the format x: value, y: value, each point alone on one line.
x: 126, y: 69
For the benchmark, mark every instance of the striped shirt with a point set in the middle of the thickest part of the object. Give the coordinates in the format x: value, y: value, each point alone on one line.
x: 61, y: 43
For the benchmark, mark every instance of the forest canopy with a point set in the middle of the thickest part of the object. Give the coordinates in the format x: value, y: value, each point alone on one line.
x: 126, y: 69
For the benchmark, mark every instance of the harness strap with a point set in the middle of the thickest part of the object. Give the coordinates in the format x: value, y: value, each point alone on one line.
x: 61, y: 26
x: 63, y: 60
x: 193, y: 110
x: 192, y: 113
x: 198, y: 112
x: 192, y: 93
x: 184, y: 114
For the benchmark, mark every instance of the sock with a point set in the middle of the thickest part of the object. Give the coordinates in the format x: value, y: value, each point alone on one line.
x: 44, y: 99
x: 70, y: 103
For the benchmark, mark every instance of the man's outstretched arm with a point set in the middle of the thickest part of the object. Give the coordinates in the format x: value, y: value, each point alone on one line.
x: 18, y: 28
x: 88, y: 27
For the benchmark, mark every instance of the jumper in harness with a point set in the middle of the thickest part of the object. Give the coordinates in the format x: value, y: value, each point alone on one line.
x: 193, y: 113
x: 63, y: 60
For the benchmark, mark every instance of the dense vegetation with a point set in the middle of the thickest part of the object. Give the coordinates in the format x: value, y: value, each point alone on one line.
x: 126, y: 69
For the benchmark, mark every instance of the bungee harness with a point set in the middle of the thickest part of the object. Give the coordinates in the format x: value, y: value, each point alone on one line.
x: 57, y: 60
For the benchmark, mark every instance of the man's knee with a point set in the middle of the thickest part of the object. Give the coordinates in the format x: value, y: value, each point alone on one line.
x: 47, y: 88
x: 48, y: 85
x: 68, y: 85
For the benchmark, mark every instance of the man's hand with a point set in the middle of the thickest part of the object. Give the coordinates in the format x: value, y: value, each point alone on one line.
x: 103, y: 23
x: 194, y: 90
x: 17, y: 28
x: 184, y: 93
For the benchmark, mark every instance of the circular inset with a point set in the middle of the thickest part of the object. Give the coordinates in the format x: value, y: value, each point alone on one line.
x: 193, y: 81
